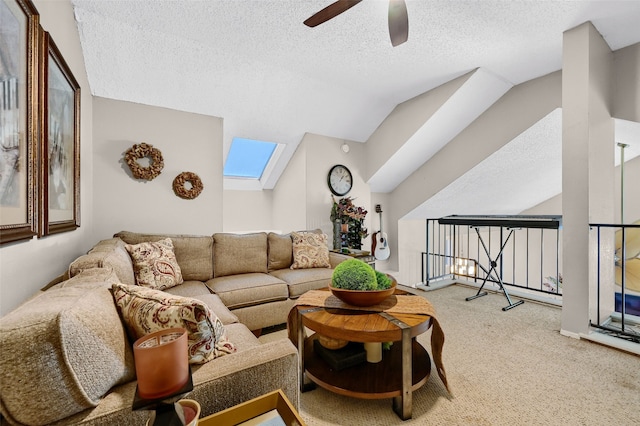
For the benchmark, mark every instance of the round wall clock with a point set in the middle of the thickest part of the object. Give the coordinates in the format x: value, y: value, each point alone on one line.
x: 340, y: 180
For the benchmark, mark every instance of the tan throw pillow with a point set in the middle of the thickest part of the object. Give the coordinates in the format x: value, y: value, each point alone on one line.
x: 310, y: 250
x: 145, y: 311
x: 155, y: 264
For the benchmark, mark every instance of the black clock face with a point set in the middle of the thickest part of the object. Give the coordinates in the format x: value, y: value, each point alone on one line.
x: 340, y: 180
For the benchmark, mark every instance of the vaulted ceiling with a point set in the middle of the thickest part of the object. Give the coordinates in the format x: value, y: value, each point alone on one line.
x: 254, y: 63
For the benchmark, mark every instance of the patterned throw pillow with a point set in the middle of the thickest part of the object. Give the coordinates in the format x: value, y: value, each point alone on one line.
x: 310, y: 250
x: 155, y: 264
x: 145, y: 311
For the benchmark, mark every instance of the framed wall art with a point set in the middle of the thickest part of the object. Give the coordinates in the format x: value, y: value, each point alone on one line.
x: 19, y: 27
x: 60, y: 149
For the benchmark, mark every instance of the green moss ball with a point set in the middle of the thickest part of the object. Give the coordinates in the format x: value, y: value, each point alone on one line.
x: 353, y: 274
x: 384, y: 282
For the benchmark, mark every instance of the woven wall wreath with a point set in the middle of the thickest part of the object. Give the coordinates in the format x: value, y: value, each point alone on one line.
x: 180, y: 189
x: 143, y: 150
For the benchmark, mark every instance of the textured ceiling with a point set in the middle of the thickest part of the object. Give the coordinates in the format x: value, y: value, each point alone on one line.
x: 253, y: 62
x: 535, y: 152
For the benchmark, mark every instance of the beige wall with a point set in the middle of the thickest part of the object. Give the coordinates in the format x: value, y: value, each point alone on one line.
x: 626, y: 79
x: 631, y: 199
x: 188, y: 143
x: 322, y: 154
x: 587, y: 172
x: 247, y: 211
x: 411, y: 244
x: 289, y: 195
x: 551, y: 206
x: 27, y: 266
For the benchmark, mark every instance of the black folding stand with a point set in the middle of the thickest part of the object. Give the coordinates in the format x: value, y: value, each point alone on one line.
x: 497, y: 277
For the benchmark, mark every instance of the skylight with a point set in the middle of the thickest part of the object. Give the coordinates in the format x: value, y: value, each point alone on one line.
x: 248, y: 158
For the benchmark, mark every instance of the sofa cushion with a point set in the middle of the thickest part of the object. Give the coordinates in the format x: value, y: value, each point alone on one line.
x: 214, y: 303
x: 310, y: 250
x: 194, y: 253
x: 109, y: 253
x: 235, y: 254
x: 280, y: 251
x: 300, y: 281
x: 155, y: 264
x: 145, y: 311
x: 189, y: 289
x: 243, y: 337
x: 237, y: 291
x: 194, y: 289
x: 63, y: 350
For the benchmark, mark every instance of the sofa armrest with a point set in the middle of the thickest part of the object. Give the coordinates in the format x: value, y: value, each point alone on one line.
x: 219, y: 384
x: 236, y: 378
x: 335, y: 258
x: 109, y: 253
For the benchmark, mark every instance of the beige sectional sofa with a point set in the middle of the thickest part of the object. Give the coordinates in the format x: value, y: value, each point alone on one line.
x: 66, y: 357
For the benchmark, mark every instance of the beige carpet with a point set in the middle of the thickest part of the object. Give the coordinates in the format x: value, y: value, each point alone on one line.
x: 504, y: 368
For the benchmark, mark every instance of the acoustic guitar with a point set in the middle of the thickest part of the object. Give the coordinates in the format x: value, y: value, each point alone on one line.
x: 379, y: 245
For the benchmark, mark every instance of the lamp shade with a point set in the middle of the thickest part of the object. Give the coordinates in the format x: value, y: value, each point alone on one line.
x: 162, y: 363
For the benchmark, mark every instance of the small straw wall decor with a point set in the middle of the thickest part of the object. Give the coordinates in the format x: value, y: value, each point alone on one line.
x: 143, y: 150
x: 181, y: 190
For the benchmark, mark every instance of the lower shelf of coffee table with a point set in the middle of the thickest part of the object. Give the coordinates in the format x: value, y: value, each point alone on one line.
x: 368, y: 380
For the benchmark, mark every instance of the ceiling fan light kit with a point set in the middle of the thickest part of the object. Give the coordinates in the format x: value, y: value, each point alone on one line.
x: 398, y: 18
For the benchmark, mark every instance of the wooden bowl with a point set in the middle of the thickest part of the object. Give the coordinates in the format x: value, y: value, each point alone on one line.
x: 364, y: 297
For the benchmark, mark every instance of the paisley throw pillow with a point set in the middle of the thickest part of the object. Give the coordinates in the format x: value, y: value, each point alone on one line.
x: 155, y: 264
x: 145, y: 311
x: 310, y: 250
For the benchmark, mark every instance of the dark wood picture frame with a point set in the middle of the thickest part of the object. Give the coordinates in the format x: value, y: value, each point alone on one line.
x: 60, y: 149
x: 19, y: 57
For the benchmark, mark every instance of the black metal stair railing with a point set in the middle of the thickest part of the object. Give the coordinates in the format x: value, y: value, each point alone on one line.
x: 624, y: 320
x: 530, y: 259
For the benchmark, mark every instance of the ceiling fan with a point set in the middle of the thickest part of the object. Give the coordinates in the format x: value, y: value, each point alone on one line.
x: 398, y: 19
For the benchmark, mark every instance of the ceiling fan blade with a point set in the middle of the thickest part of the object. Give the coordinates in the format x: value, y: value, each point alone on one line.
x: 331, y: 11
x: 398, y: 22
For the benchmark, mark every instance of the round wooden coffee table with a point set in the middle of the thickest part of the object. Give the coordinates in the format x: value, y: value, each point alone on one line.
x: 403, y: 369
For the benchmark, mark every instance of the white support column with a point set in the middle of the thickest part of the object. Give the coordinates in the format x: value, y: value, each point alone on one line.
x: 588, y: 184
